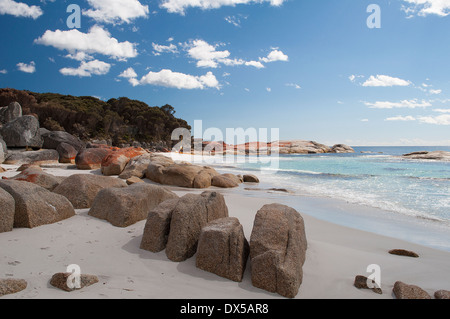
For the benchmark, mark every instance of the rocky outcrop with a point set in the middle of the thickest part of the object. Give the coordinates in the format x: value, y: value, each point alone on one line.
x: 403, y: 252
x: 223, y: 181
x: 249, y: 178
x: 22, y: 132
x: 36, y: 175
x: 11, y: 286
x: 123, y: 207
x: 7, y: 210
x: 277, y: 249
x: 404, y: 291
x: 223, y: 249
x: 81, y: 189
x: 35, y: 206
x: 342, y: 148
x: 59, y: 280
x: 301, y: 147
x: 157, y: 227
x: 183, y: 174
x: 67, y: 153
x: 189, y: 216
x: 114, y: 163
x: 10, y: 112
x: 134, y: 180
x: 442, y: 294
x: 91, y: 158
x: 436, y: 155
x: 137, y: 166
x: 33, y: 157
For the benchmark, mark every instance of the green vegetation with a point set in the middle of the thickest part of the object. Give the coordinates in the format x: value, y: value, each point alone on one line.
x: 122, y: 120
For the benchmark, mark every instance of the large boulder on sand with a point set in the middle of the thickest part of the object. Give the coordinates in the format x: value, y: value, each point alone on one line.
x: 36, y: 206
x: 277, y: 250
x: 223, y: 249
x: 81, y: 189
x: 3, y: 150
x: 137, y: 166
x: 7, y: 209
x: 405, y: 291
x: 114, y: 163
x: 67, y: 153
x: 35, y: 175
x: 22, y: 132
x: 183, y: 174
x: 123, y: 207
x: 11, y: 286
x: 91, y: 158
x: 189, y: 216
x: 59, y: 280
x: 157, y: 227
x: 32, y: 157
x: 224, y: 181
x: 10, y: 112
x: 53, y: 139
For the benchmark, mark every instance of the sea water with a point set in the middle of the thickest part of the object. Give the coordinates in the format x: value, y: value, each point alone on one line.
x: 375, y: 177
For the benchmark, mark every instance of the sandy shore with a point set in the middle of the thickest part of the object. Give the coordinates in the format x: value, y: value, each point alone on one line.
x: 335, y: 255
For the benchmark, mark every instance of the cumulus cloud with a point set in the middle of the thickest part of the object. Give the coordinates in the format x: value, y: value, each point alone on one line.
x: 385, y: 81
x: 159, y: 48
x: 208, y: 56
x: 20, y: 9
x: 443, y: 119
x: 401, y: 118
x: 27, y: 68
x: 275, y: 55
x: 80, y: 56
x: 298, y: 87
x: 97, y: 40
x: 87, y: 69
x: 180, y: 6
x: 412, y: 104
x: 353, y: 77
x: 235, y: 20
x: 3, y: 71
x: 426, y: 7
x: 442, y: 110
x: 168, y: 78
x: 435, y: 91
x: 131, y: 75
x: 116, y: 11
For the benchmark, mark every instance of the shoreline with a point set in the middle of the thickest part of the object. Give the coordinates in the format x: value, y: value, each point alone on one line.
x: 335, y: 255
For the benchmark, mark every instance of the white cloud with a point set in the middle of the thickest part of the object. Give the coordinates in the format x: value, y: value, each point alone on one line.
x: 19, y: 9
x: 384, y: 81
x: 80, y: 56
x: 158, y: 48
x: 353, y: 77
x: 294, y: 85
x: 116, y: 11
x: 235, y: 20
x: 207, y: 56
x: 27, y: 68
x: 435, y: 91
x: 427, y: 7
x: 179, y: 6
x: 442, y: 110
x: 275, y: 55
x: 365, y: 120
x: 87, y: 69
x: 168, y: 78
x: 3, y: 71
x: 131, y: 75
x: 268, y: 89
x: 97, y: 40
x: 401, y: 118
x: 443, y: 119
x: 402, y: 104
x: 170, y: 39
x: 247, y: 89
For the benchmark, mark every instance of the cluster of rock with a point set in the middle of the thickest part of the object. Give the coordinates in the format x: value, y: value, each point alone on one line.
x: 200, y: 224
x: 400, y: 289
x: 282, y: 147
x: 435, y: 155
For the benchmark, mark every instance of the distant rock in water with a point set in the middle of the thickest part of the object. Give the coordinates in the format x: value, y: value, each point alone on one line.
x: 342, y: 148
x: 435, y: 155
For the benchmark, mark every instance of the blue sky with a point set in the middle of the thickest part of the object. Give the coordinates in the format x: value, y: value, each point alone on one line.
x: 313, y: 69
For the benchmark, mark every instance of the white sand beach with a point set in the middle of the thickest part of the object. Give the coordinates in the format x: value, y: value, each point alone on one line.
x: 335, y: 255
